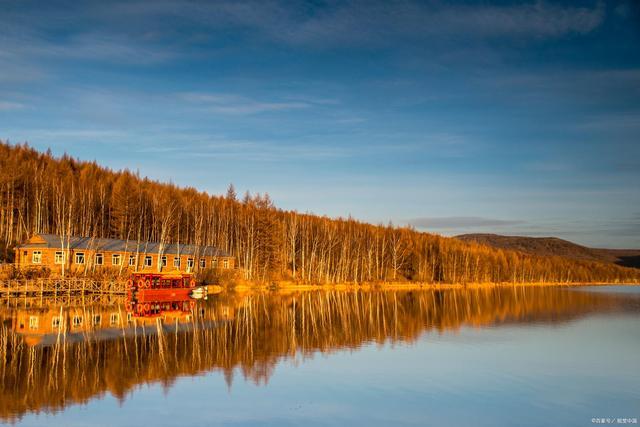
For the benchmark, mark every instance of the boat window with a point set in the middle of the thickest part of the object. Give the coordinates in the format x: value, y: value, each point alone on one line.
x: 36, y: 257
x: 80, y: 258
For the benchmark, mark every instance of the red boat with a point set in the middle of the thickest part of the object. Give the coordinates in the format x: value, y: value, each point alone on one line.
x: 150, y: 293
x: 166, y: 286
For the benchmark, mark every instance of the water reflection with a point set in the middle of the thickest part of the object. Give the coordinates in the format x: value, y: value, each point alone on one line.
x: 58, y: 353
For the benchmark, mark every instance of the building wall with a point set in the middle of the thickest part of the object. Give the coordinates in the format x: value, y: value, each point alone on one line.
x: 25, y: 258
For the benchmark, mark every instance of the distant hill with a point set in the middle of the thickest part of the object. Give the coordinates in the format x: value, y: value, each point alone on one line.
x: 552, y: 246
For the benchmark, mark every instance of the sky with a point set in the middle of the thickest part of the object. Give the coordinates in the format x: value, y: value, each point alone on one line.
x: 452, y: 117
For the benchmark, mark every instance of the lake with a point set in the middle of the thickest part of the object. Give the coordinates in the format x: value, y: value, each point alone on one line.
x: 527, y: 356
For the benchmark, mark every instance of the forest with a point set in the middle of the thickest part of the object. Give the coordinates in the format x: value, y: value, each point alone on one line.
x: 40, y: 193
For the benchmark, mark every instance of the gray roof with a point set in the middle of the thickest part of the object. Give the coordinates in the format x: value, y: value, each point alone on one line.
x: 117, y: 245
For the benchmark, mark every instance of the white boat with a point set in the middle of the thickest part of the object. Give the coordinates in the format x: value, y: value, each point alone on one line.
x: 199, y: 292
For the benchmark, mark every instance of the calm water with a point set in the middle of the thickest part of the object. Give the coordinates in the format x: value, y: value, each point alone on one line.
x: 529, y: 357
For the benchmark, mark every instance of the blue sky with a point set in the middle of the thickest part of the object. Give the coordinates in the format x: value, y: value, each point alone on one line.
x: 514, y: 118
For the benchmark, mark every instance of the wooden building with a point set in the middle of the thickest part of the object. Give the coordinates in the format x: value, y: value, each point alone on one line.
x: 78, y: 254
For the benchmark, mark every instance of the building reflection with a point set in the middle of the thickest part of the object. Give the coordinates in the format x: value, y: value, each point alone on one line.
x: 49, y: 324
x: 57, y: 353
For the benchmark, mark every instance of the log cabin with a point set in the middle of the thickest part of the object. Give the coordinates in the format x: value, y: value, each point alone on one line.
x: 78, y: 254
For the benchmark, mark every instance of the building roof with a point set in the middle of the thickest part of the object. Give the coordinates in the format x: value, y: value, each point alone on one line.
x: 54, y: 241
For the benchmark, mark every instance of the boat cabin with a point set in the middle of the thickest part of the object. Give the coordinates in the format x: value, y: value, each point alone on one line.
x: 167, y: 280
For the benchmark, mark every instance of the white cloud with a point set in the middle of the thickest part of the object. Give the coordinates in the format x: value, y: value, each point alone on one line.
x: 460, y: 222
x: 237, y: 104
x: 351, y: 22
x: 538, y: 19
x: 10, y: 106
x: 199, y: 146
x: 95, y: 46
x: 366, y: 22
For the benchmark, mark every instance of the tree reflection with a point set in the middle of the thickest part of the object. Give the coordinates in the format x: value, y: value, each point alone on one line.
x: 53, y: 355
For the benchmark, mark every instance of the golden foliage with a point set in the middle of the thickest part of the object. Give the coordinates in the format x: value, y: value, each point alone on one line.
x: 40, y: 193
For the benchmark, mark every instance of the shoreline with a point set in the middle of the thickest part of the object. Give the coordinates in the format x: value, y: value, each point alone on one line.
x: 401, y: 286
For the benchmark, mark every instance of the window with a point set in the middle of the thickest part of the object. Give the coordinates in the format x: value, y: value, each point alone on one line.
x: 80, y: 258
x: 25, y: 254
x: 33, y: 322
x: 55, y: 322
x: 214, y: 263
x: 97, y: 320
x: 77, y: 321
x: 99, y: 259
x: 163, y: 261
x: 59, y: 258
x: 226, y: 263
x: 203, y: 263
x: 115, y: 259
x: 190, y: 263
x: 132, y: 260
x: 36, y: 257
x: 148, y: 261
x: 176, y: 262
x: 113, y: 319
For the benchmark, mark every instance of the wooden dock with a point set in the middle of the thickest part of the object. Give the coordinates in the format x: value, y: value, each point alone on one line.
x: 65, y: 300
x: 60, y: 286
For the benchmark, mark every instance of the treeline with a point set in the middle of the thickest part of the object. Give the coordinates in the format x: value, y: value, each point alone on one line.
x: 41, y: 193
